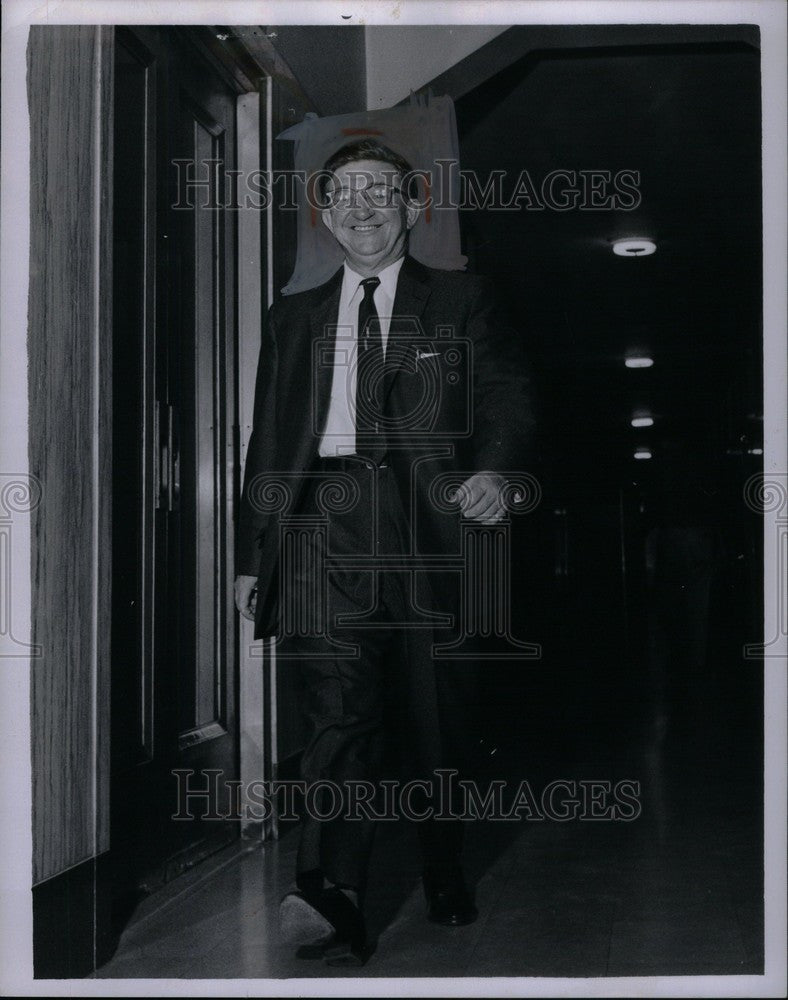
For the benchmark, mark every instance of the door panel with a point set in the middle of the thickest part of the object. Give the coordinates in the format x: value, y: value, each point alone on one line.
x: 200, y: 355
x: 174, y: 659
x: 206, y: 445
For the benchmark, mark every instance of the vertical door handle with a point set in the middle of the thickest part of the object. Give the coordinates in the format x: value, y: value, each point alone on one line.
x: 173, y: 450
x: 167, y: 472
x: 158, y: 458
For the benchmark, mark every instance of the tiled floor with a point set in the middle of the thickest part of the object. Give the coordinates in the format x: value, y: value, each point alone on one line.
x: 676, y: 891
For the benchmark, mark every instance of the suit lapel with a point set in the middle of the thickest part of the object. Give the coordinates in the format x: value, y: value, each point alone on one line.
x: 323, y: 320
x: 412, y: 289
x: 409, y: 304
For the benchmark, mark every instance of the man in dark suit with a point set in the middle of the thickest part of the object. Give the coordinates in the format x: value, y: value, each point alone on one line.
x: 399, y: 387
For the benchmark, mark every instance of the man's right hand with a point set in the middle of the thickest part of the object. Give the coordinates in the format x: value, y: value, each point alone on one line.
x: 246, y: 595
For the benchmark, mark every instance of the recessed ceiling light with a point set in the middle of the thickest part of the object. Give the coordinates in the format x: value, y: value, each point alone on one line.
x: 755, y: 451
x: 640, y: 361
x: 642, y: 453
x: 642, y: 421
x: 634, y: 247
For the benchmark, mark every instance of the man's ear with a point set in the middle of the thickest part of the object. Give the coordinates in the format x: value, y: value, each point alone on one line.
x: 412, y: 212
x: 328, y: 222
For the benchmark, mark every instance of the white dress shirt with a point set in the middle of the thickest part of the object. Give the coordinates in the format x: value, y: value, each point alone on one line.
x: 339, y: 434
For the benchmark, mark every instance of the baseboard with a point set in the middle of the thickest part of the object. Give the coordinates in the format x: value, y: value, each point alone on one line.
x: 72, y: 927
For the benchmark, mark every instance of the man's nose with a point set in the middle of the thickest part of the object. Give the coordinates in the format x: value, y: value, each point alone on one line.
x: 361, y: 209
x: 362, y: 212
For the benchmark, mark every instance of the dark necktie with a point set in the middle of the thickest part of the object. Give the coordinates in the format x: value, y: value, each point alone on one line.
x: 370, y: 440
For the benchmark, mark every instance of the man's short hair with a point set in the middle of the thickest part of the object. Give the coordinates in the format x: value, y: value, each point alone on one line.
x: 369, y: 149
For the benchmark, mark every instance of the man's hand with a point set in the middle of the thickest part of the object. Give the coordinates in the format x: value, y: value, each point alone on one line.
x: 246, y: 595
x: 480, y: 498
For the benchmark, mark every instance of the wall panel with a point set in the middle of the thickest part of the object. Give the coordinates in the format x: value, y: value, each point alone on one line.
x: 69, y: 342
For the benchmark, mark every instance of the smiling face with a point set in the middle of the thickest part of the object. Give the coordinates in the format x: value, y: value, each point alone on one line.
x: 371, y: 232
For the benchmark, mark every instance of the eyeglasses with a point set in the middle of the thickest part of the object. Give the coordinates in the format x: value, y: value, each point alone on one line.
x: 376, y: 196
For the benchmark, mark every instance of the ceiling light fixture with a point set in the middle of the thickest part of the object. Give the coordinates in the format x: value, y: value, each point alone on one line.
x: 640, y: 361
x: 634, y: 247
x: 642, y: 421
x: 642, y: 453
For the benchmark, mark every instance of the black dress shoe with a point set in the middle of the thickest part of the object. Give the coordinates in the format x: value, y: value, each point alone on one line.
x: 325, y: 924
x: 448, y: 900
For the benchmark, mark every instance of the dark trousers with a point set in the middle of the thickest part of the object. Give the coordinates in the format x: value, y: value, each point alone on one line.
x: 370, y: 675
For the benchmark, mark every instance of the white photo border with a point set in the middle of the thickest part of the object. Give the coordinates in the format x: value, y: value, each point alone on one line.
x: 15, y: 834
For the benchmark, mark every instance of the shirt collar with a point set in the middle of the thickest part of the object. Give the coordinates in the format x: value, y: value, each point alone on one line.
x: 388, y: 278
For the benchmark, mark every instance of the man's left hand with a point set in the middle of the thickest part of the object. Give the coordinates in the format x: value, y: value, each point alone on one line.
x: 481, y: 498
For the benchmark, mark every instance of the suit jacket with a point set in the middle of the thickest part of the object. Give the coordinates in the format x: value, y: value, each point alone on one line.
x: 459, y: 400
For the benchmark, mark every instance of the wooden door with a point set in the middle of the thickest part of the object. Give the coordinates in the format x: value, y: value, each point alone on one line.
x: 174, y: 661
